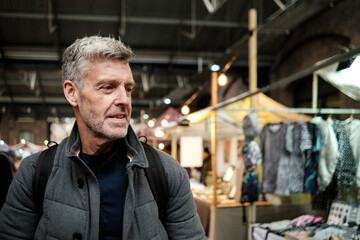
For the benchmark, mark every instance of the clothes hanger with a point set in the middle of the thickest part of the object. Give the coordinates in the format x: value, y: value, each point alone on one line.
x: 349, y: 120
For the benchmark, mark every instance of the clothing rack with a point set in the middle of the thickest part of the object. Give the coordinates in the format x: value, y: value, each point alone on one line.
x: 299, y: 110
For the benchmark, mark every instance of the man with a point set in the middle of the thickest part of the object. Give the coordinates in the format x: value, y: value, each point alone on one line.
x: 97, y: 188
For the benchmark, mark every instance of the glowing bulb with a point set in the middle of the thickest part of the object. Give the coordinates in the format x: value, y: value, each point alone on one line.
x: 215, y: 68
x: 167, y: 100
x: 151, y: 123
x: 185, y: 110
x: 146, y: 116
x: 161, y: 146
x: 23, y: 141
x: 46, y: 142
x: 164, y: 122
x: 222, y: 80
x: 159, y: 133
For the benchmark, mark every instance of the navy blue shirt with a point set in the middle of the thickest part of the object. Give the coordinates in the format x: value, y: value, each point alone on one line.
x: 110, y: 170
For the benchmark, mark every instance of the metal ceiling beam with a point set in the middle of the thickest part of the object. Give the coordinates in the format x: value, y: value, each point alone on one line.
x: 143, y: 57
x: 49, y: 54
x: 57, y: 100
x: 116, y: 19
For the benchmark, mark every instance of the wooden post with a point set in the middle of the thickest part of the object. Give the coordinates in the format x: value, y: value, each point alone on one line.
x: 174, y: 145
x: 214, y: 99
x: 252, y: 80
x: 253, y: 54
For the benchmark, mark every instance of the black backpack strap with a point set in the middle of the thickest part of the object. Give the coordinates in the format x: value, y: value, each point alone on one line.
x: 155, y: 174
x: 42, y: 173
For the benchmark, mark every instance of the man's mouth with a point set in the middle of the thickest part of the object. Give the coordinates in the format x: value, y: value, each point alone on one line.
x: 120, y: 116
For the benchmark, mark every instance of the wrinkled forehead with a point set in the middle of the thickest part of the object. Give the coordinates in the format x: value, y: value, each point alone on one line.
x: 100, y: 64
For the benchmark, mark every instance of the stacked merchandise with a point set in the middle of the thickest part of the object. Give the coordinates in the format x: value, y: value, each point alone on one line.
x: 342, y: 224
x: 318, y: 157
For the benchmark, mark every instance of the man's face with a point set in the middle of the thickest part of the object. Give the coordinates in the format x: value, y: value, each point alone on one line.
x: 104, y: 102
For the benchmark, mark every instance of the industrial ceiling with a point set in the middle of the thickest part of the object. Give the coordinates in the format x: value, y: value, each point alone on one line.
x: 175, y: 42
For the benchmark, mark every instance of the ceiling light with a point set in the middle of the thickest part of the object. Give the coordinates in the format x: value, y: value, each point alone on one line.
x: 215, y: 68
x: 185, y: 110
x: 167, y: 100
x: 222, y: 80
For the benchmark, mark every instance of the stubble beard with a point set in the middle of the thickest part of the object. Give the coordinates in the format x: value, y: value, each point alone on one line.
x: 104, y: 129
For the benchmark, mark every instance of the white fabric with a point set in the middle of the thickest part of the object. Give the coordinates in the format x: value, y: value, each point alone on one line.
x: 260, y: 234
x: 191, y: 151
x: 347, y: 80
x: 329, y: 153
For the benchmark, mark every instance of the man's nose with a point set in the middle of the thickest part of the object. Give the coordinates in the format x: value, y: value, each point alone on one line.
x: 122, y: 97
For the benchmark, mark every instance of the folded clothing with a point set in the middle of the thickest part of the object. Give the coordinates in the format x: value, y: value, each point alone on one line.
x: 306, y: 220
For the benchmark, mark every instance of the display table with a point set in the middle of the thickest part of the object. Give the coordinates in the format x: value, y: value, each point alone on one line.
x: 227, y: 223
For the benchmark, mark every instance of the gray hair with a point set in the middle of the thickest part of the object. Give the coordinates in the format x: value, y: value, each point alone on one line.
x: 91, y: 49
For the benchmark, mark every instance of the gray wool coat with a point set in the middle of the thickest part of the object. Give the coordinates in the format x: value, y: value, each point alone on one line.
x: 71, y: 210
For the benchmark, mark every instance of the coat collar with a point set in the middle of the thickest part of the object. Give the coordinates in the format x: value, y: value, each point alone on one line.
x: 135, y: 150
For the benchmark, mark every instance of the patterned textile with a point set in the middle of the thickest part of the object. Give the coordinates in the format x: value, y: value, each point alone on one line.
x: 353, y: 130
x: 312, y: 159
x: 273, y: 150
x: 251, y: 154
x: 297, y: 142
x: 330, y: 231
x: 328, y: 155
x: 346, y: 167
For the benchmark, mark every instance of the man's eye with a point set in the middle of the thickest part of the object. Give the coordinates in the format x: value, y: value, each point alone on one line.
x: 108, y: 87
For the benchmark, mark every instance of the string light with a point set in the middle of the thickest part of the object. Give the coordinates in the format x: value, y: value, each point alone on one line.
x: 159, y: 133
x: 164, y: 122
x: 215, y: 68
x: 185, y: 110
x: 167, y: 100
x: 222, y: 80
x: 161, y: 146
x: 151, y: 123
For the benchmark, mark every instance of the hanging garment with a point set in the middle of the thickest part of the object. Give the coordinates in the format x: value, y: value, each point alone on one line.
x: 328, y: 155
x: 251, y: 126
x: 312, y: 159
x: 353, y: 130
x: 297, y: 142
x: 251, y: 154
x: 273, y: 151
x: 346, y: 167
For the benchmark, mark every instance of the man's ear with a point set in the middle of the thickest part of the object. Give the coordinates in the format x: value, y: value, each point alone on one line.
x: 70, y: 92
